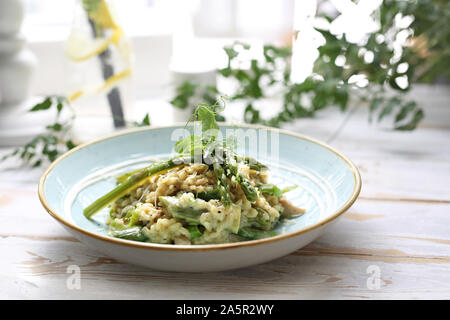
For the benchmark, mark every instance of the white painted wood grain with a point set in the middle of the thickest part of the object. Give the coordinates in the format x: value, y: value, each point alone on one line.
x: 410, y: 245
x: 401, y: 223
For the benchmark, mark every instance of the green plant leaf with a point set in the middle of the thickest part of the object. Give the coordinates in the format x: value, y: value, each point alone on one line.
x: 144, y: 122
x: 418, y: 116
x: 405, y: 110
x: 55, y: 127
x: 70, y: 144
x: 44, y: 105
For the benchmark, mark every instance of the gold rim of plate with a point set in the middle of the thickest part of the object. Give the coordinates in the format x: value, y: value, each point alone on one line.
x: 148, y: 245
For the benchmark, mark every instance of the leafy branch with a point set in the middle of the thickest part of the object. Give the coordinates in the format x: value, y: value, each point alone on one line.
x: 144, y: 122
x: 267, y: 79
x: 55, y: 141
x: 372, y: 71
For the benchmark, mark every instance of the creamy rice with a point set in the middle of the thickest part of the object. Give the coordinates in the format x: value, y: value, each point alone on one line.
x: 185, y: 182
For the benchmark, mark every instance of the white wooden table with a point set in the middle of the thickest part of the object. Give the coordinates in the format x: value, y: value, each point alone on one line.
x: 400, y: 226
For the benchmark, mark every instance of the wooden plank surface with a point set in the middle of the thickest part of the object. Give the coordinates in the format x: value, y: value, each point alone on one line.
x: 400, y: 226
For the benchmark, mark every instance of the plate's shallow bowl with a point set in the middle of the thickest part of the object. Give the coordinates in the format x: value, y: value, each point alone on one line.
x: 328, y: 185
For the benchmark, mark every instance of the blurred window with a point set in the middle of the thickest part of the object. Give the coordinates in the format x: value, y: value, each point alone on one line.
x: 50, y: 20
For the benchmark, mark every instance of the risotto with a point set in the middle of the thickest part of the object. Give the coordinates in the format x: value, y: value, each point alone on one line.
x: 182, y: 202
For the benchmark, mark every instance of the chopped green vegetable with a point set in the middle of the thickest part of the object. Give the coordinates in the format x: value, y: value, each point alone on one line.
x: 250, y: 192
x: 254, y: 234
x: 132, y: 217
x: 222, y: 184
x: 191, y: 213
x: 252, y: 163
x: 261, y: 221
x: 117, y: 224
x: 209, y: 195
x: 270, y: 189
x: 290, y: 188
x: 134, y: 233
x: 195, y: 232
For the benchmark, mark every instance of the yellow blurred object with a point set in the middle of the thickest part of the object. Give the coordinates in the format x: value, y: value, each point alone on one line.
x: 103, y: 16
x: 114, y: 79
x: 110, y: 82
x: 79, y: 48
x: 75, y: 95
x: 116, y: 36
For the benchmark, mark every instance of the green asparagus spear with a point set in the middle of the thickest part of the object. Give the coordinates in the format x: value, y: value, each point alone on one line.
x: 254, y: 234
x: 208, y: 195
x: 252, y: 163
x: 287, y: 189
x: 189, y: 213
x: 130, y: 183
x: 222, y: 184
x: 250, y: 192
x: 261, y: 221
x: 134, y: 233
x: 270, y: 189
x: 124, y: 176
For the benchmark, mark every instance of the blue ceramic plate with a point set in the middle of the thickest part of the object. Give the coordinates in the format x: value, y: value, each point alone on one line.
x: 328, y: 185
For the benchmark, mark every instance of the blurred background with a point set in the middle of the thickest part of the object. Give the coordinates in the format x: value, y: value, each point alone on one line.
x: 102, y: 65
x: 185, y: 34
